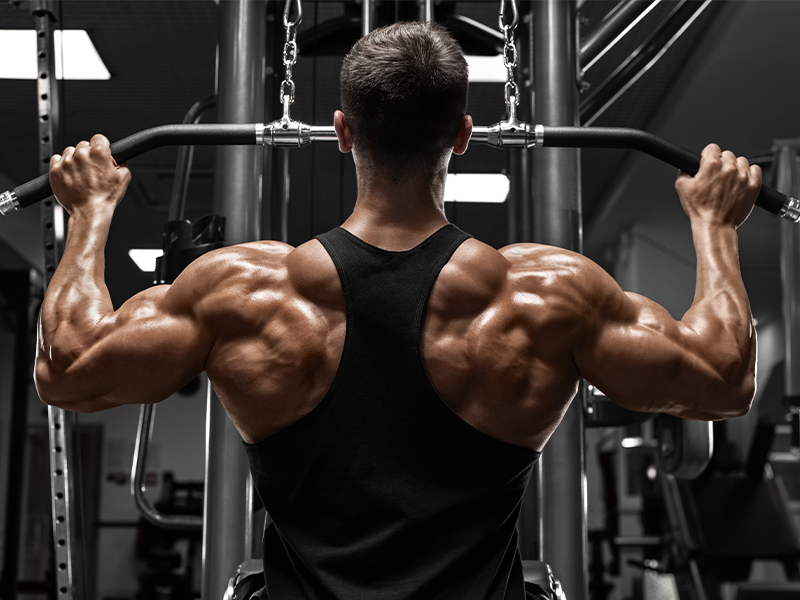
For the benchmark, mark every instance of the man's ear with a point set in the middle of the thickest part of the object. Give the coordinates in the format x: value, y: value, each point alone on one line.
x: 464, y: 133
x: 342, y: 132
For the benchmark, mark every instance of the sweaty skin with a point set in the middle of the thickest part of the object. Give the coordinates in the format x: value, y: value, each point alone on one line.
x: 506, y: 338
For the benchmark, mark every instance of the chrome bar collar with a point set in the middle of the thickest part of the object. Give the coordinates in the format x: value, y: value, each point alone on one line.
x: 791, y: 210
x: 260, y: 141
x: 538, y: 133
x: 8, y: 203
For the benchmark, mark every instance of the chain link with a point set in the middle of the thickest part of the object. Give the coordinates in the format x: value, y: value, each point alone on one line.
x: 509, y: 50
x: 290, y: 49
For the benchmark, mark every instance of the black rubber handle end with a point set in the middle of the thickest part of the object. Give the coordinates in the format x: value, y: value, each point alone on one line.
x: 33, y: 191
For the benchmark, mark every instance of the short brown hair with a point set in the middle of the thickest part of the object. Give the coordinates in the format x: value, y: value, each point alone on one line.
x: 404, y: 93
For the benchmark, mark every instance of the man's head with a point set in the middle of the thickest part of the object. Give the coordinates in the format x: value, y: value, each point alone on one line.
x: 404, y: 94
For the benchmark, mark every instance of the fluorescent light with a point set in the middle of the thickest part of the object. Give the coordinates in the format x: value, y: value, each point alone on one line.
x: 487, y: 69
x: 145, y: 258
x: 79, y: 61
x: 476, y: 187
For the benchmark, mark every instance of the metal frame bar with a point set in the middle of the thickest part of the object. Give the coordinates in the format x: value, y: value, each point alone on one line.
x: 183, y: 168
x: 614, y: 26
x: 138, y: 475
x: 227, y: 540
x: 641, y: 60
x: 558, y: 222
x: 426, y: 11
x: 366, y: 17
x: 65, y: 505
x: 788, y: 181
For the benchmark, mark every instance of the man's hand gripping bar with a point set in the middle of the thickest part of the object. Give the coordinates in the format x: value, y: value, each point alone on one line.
x: 506, y: 134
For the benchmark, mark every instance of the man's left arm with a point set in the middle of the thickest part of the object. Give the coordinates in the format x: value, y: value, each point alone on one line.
x: 90, y: 357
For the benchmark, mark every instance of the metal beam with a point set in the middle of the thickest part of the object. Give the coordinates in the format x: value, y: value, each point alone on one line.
x: 787, y: 182
x: 557, y: 221
x: 237, y: 197
x: 64, y: 468
x: 622, y: 18
x: 641, y: 60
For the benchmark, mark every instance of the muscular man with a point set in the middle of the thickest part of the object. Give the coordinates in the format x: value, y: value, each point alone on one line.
x: 394, y: 380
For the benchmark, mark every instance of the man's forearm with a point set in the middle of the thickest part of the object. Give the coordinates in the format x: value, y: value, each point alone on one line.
x: 721, y: 309
x: 77, y: 296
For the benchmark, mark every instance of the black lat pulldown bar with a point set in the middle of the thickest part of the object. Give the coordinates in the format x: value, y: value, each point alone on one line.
x: 507, y: 134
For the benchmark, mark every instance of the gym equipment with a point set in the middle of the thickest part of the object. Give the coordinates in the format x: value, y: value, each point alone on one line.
x: 685, y: 447
x: 287, y: 133
x: 540, y: 583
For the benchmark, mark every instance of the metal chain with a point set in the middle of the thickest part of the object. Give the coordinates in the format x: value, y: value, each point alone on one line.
x: 509, y: 49
x: 290, y: 49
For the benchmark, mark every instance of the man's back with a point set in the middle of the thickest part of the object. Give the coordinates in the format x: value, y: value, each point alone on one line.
x: 380, y: 490
x: 492, y: 356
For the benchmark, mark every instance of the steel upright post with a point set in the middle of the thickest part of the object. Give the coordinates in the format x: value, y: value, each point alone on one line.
x: 557, y: 221
x: 237, y: 196
x: 64, y: 476
x: 787, y: 182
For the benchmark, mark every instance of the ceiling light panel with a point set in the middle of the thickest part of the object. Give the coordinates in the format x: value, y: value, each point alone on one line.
x: 487, y: 69
x: 75, y: 56
x: 476, y: 187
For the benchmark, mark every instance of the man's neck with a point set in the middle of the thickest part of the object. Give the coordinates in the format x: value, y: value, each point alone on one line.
x: 397, y: 216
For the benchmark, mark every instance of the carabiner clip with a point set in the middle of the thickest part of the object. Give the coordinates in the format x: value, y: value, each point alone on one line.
x: 514, y: 16
x: 298, y: 19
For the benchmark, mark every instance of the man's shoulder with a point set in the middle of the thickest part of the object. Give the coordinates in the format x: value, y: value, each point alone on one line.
x: 252, y: 260
x: 552, y: 268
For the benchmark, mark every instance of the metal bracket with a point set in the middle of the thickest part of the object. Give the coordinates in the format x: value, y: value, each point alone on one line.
x: 8, y: 203
x: 791, y: 210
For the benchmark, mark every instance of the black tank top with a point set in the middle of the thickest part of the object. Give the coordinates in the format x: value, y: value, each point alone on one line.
x: 382, y: 491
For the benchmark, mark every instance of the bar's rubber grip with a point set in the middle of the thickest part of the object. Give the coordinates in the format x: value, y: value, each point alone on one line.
x: 222, y: 134
x: 635, y: 139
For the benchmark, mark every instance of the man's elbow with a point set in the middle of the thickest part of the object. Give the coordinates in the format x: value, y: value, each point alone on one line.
x: 55, y: 390
x: 46, y: 382
x: 737, y: 399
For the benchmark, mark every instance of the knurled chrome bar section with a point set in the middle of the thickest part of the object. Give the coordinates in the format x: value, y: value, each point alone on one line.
x: 138, y: 478
x: 65, y: 509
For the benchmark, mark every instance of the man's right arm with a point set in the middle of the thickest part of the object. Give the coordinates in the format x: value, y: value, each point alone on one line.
x: 703, y: 366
